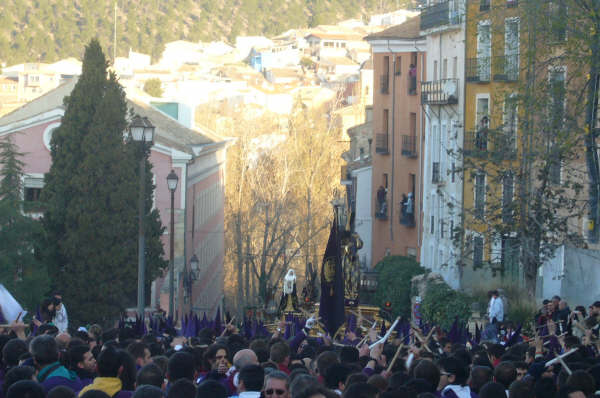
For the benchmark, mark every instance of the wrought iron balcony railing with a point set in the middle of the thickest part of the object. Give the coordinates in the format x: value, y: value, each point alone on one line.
x: 506, y: 68
x: 439, y: 14
x: 478, y: 69
x: 409, y: 146
x: 485, y: 143
x: 439, y: 92
x: 382, y: 143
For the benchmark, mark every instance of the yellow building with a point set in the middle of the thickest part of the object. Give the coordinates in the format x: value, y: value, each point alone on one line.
x: 493, y: 70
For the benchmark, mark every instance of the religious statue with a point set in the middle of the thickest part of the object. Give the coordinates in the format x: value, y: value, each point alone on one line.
x: 289, y: 298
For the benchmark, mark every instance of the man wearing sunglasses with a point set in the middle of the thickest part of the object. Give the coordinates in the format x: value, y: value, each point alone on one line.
x: 276, y: 385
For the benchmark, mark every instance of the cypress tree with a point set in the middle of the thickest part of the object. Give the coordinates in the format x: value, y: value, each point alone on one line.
x: 20, y: 271
x: 91, y: 195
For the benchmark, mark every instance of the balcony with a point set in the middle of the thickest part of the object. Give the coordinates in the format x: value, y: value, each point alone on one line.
x: 381, y: 143
x: 439, y: 14
x: 512, y: 3
x: 381, y: 204
x: 439, y: 92
x: 492, y: 143
x: 484, y: 5
x: 412, y: 83
x: 409, y: 146
x: 506, y: 68
x: 407, y: 210
x: 478, y: 69
x: 384, y: 84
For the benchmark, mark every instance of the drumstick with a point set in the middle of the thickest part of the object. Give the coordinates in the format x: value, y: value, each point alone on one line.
x: 391, y: 365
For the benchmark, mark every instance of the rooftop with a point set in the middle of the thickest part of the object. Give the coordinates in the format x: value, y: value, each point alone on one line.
x: 168, y: 131
x: 411, y: 29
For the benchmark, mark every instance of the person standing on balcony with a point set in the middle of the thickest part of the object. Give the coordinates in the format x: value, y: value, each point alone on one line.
x: 412, y: 75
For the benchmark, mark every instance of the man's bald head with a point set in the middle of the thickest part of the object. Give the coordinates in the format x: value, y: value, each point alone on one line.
x: 244, y: 357
x: 63, y: 339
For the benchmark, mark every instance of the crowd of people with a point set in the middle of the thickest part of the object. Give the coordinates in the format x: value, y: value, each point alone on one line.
x: 559, y: 360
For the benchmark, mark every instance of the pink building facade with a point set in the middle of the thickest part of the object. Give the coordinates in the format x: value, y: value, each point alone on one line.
x: 198, y: 159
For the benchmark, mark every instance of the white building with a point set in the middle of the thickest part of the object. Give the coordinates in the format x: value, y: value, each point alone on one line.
x: 333, y: 44
x: 443, y: 97
x: 245, y: 43
x: 392, y: 18
x: 363, y: 217
x: 179, y: 52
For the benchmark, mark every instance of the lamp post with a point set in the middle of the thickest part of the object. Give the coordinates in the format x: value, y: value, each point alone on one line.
x: 141, y: 131
x: 172, y: 180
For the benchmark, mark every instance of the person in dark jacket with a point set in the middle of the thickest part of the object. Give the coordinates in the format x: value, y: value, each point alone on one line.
x: 44, y: 351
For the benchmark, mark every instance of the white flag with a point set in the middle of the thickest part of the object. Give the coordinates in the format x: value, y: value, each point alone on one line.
x: 9, y: 306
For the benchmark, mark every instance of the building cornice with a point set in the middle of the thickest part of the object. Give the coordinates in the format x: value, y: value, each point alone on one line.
x: 44, y: 117
x: 398, y: 46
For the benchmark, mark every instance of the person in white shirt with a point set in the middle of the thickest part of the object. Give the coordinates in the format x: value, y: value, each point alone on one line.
x: 496, y: 308
x: 61, y: 320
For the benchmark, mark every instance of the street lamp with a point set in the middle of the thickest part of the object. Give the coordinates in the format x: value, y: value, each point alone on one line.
x: 141, y: 131
x: 172, y: 180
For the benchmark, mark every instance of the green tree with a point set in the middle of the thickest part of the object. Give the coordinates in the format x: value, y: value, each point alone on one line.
x: 153, y: 87
x: 20, y: 271
x: 91, y: 198
x: 393, y: 283
x: 442, y: 305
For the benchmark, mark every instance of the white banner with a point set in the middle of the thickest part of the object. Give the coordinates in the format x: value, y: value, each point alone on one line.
x: 9, y: 306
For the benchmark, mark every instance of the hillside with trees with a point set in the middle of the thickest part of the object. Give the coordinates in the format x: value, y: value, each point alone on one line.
x: 48, y: 30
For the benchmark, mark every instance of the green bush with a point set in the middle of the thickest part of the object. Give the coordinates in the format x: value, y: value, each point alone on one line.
x: 442, y: 305
x: 153, y: 87
x: 393, y: 283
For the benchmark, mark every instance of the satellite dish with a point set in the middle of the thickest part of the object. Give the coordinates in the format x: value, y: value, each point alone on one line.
x: 450, y: 88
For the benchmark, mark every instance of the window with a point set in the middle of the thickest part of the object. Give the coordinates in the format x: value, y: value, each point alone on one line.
x: 32, y: 194
x: 441, y: 228
x: 557, y: 99
x: 451, y: 229
x: 445, y: 68
x: 484, y: 50
x: 510, y: 122
x: 455, y: 67
x: 386, y: 65
x: 511, y: 48
x: 558, y: 21
x: 477, y: 251
x: 482, y: 112
x: 508, y: 190
x: 386, y: 117
x: 385, y: 180
x: 385, y: 77
x: 398, y: 66
x: 432, y: 228
x: 509, y: 257
x: 479, y: 195
x: 435, y: 70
